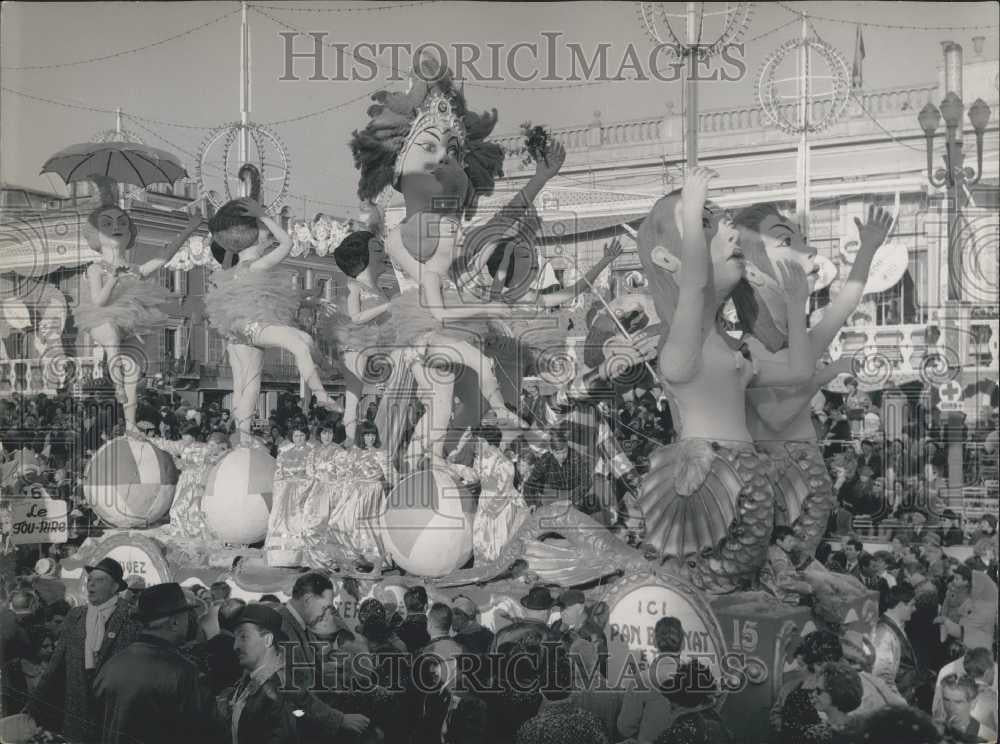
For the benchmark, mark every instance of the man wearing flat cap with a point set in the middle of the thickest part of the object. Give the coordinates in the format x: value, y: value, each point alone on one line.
x: 149, y: 693
x: 90, y: 636
x: 264, y: 708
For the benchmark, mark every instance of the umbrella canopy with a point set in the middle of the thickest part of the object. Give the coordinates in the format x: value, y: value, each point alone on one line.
x: 123, y: 162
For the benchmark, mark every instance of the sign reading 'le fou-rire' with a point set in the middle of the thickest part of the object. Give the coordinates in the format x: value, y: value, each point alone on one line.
x: 39, y: 521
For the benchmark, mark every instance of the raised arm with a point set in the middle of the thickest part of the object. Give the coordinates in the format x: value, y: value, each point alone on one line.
x: 170, y: 251
x: 430, y: 283
x: 545, y: 169
x: 680, y: 356
x: 280, y: 253
x: 801, y: 365
x: 612, y: 251
x: 872, y: 235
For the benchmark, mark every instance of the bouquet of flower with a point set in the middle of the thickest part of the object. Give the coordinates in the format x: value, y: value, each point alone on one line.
x: 536, y: 143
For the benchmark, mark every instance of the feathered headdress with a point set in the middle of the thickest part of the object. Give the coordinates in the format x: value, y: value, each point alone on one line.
x: 397, y: 117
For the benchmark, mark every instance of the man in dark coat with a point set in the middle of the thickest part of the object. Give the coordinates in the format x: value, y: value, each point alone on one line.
x: 307, y: 619
x: 90, y: 636
x: 220, y: 656
x: 266, y: 707
x: 149, y: 693
x: 14, y: 646
x: 413, y: 630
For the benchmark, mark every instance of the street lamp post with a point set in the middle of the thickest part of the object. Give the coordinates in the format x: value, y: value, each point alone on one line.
x: 956, y: 179
x: 954, y: 176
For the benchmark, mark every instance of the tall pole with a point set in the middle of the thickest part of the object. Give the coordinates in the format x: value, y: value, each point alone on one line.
x: 244, y: 139
x: 953, y: 315
x: 692, y: 84
x: 802, y: 186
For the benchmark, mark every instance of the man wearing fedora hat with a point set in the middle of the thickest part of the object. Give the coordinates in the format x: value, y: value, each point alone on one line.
x: 537, y: 604
x: 90, y: 636
x: 150, y: 692
x: 264, y: 706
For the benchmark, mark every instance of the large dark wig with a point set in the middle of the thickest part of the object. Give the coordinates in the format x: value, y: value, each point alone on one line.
x: 232, y: 231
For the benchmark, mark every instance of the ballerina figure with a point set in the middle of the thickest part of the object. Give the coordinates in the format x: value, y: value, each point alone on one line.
x: 118, y: 302
x: 708, y: 501
x: 365, y: 332
x: 255, y: 309
x: 779, y: 418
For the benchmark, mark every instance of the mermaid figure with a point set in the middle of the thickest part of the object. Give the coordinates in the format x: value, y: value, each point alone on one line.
x: 779, y: 418
x: 708, y: 501
x: 117, y: 301
x: 254, y: 307
x: 428, y: 146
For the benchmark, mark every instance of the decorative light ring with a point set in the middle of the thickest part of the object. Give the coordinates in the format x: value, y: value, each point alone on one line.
x: 655, y: 20
x: 840, y: 75
x: 265, y: 144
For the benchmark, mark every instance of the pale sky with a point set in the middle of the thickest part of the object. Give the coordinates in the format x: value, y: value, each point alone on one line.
x: 194, y: 79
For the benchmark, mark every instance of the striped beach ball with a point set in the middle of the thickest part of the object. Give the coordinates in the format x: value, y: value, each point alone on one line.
x: 130, y: 483
x: 237, y: 498
x: 426, y: 523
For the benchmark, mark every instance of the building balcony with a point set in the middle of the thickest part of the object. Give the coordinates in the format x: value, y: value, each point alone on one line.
x: 904, y: 352
x: 723, y: 128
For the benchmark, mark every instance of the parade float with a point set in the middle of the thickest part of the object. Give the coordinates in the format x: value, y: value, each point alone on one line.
x: 702, y: 517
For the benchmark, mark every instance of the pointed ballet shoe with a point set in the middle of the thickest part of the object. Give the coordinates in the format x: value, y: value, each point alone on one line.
x: 330, y: 404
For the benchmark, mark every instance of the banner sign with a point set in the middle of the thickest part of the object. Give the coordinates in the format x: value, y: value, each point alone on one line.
x: 39, y: 521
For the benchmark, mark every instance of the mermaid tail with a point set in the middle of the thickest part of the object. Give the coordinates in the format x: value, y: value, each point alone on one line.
x: 805, y: 497
x: 587, y: 552
x: 709, y: 511
x: 241, y: 296
x: 134, y: 307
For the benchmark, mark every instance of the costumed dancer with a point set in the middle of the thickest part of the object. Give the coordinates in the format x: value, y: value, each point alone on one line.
x: 428, y: 146
x: 117, y: 301
x: 194, y: 459
x: 349, y: 535
x: 779, y: 418
x: 708, y: 501
x: 367, y: 332
x: 327, y: 467
x: 372, y: 472
x: 292, y: 485
x: 501, y: 509
x: 253, y: 306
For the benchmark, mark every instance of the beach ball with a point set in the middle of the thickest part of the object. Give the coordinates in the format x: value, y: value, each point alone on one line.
x: 426, y: 523
x: 237, y: 498
x: 130, y: 483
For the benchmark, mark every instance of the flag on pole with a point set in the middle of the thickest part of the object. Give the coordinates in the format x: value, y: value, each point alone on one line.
x: 859, y: 56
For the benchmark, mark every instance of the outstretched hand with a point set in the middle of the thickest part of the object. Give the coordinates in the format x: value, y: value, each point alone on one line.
x: 873, y: 232
x: 695, y: 190
x: 552, y: 161
x: 793, y: 279
x: 613, y: 249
